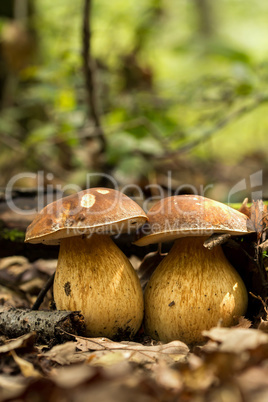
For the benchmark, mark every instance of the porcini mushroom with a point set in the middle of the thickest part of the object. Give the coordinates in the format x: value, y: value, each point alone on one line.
x: 93, y: 275
x: 193, y: 288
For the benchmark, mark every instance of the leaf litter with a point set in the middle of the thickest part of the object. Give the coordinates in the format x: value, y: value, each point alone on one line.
x: 231, y: 362
x: 230, y: 365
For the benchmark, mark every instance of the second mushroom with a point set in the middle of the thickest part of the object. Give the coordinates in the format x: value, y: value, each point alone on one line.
x: 193, y: 288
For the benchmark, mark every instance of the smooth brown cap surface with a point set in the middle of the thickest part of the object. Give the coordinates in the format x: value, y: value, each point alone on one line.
x: 97, y: 210
x: 191, y: 215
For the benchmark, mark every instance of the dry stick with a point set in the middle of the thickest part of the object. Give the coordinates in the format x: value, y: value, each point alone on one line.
x: 50, y: 326
x: 261, y: 300
x: 89, y: 72
x: 42, y: 293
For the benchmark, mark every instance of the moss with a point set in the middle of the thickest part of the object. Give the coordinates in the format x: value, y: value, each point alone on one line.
x: 13, y: 235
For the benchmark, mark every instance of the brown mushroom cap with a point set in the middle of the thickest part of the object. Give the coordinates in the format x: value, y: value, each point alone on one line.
x: 191, y: 215
x: 100, y: 210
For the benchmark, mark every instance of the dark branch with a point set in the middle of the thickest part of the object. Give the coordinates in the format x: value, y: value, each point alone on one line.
x: 207, y: 134
x: 89, y: 71
x: 43, y: 293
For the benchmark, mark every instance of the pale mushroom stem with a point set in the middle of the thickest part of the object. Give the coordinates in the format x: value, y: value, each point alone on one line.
x: 93, y: 276
x: 192, y: 289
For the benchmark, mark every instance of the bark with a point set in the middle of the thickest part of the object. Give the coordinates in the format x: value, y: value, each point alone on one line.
x: 50, y: 326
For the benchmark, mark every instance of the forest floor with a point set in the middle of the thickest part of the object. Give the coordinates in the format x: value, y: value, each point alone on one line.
x: 231, y: 364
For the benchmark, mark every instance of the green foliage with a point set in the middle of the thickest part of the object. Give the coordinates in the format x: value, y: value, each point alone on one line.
x: 160, y: 85
x: 13, y: 235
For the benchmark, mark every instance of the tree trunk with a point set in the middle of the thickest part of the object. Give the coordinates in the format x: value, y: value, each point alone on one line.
x: 205, y: 18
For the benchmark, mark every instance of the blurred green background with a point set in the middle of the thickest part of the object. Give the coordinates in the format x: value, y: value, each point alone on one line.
x: 182, y: 92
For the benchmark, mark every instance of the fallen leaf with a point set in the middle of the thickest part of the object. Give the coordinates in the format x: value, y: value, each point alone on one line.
x: 236, y: 340
x: 148, y: 266
x: 227, y: 392
x: 254, y: 384
x: 64, y: 354
x: 72, y: 376
x: 168, y: 377
x: 259, y: 216
x: 46, y: 266
x: 14, y: 262
x: 24, y: 341
x: 174, y: 347
x: 33, y: 286
x: 243, y: 323
x: 244, y: 208
x: 263, y: 325
x: 102, y: 351
x: 11, y: 386
x: 26, y: 368
x: 109, y: 358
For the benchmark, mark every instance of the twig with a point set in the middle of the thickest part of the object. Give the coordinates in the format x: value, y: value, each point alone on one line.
x: 217, y: 239
x: 261, y: 300
x: 89, y: 72
x: 264, y: 246
x: 221, y: 124
x: 43, y: 292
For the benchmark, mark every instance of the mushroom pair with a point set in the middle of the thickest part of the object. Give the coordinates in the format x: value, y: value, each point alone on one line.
x: 93, y: 275
x: 193, y: 288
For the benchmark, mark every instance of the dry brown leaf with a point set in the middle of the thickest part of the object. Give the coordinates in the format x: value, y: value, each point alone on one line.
x: 9, y: 298
x: 46, y: 266
x: 64, y: 354
x: 24, y: 341
x: 135, y: 261
x: 173, y: 351
x: 236, y: 340
x: 11, y: 386
x: 259, y: 216
x: 72, y: 376
x: 254, y: 384
x: 244, y: 208
x: 263, y: 325
x: 243, y: 323
x: 104, y: 352
x: 168, y: 377
x: 33, y: 286
x: 121, y: 390
x: 227, y: 392
x: 26, y: 368
x: 14, y: 263
x: 109, y: 358
x: 148, y: 266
